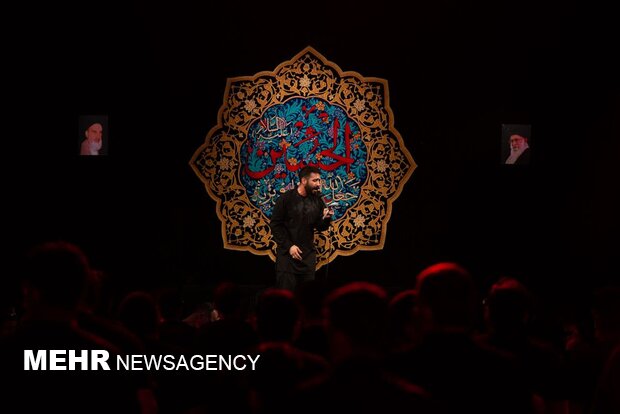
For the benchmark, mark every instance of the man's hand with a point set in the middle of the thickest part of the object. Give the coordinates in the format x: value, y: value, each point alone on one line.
x: 295, y: 252
x: 328, y: 213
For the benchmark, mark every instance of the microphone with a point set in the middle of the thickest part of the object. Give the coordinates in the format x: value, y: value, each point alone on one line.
x: 330, y: 203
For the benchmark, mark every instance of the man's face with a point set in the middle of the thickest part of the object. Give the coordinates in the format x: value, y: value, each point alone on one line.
x: 94, y: 133
x: 517, y: 142
x: 312, y: 184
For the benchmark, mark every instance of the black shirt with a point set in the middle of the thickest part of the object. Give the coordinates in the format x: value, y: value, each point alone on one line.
x: 293, y: 222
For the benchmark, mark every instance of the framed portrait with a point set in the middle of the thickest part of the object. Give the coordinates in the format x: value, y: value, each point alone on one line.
x: 516, y: 142
x: 93, y: 135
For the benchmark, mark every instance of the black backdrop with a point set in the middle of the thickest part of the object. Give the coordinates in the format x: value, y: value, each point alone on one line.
x: 456, y: 72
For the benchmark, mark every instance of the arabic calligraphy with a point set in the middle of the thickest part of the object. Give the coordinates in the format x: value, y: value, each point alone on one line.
x: 307, y: 111
x: 300, y: 132
x: 273, y: 127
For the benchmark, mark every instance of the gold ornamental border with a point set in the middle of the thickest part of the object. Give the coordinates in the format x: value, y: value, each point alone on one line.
x: 308, y: 74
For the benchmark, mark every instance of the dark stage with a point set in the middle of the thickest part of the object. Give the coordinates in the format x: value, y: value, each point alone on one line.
x: 456, y: 72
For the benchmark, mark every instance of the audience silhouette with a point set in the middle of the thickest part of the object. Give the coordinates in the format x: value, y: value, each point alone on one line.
x: 352, y: 348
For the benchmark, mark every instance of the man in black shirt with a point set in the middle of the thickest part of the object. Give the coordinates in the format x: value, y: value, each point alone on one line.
x: 295, y: 216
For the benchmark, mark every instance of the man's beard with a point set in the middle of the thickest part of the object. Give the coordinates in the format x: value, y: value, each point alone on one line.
x: 311, y: 190
x: 516, y: 153
x: 94, y: 147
